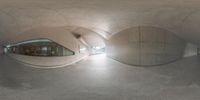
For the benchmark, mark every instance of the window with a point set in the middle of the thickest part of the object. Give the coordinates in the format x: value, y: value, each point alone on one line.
x: 39, y: 47
x: 98, y: 49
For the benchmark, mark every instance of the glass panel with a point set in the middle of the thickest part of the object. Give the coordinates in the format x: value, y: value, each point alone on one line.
x: 39, y: 47
x: 98, y: 49
x: 83, y: 50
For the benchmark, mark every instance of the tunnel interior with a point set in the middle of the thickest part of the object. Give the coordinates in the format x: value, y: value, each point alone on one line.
x: 99, y: 50
x: 139, y: 46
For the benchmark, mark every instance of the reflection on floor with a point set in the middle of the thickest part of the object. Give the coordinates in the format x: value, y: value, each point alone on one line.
x: 101, y: 78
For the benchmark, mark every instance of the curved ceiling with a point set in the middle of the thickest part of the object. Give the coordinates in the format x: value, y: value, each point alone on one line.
x: 105, y: 17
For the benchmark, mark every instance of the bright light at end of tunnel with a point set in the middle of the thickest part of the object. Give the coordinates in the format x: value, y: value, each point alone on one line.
x: 98, y: 47
x: 82, y: 49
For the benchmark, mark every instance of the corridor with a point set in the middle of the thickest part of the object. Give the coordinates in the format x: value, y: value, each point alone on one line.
x: 100, y: 78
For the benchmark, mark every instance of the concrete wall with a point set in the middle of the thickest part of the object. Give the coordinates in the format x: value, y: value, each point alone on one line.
x: 1, y: 50
x: 59, y: 35
x: 145, y: 46
x: 190, y: 50
x: 48, y: 62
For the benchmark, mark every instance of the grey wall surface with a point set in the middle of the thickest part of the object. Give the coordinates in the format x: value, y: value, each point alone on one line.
x: 1, y: 50
x: 48, y: 62
x: 145, y: 46
x: 190, y: 50
x: 182, y: 18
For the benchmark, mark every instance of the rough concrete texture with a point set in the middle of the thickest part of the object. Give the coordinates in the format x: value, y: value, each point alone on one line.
x: 190, y: 50
x: 48, y: 62
x: 145, y: 46
x: 1, y: 50
x: 102, y: 16
x: 101, y: 78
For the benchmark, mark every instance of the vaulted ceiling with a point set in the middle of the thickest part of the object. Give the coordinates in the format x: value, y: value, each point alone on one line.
x: 104, y: 17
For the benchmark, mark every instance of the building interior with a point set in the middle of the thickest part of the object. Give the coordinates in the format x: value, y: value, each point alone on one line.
x: 99, y: 50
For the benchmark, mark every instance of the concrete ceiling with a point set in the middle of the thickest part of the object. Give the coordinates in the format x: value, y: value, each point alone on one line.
x: 105, y: 17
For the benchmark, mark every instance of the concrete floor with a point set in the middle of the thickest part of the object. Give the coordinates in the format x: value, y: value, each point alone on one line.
x: 101, y: 78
